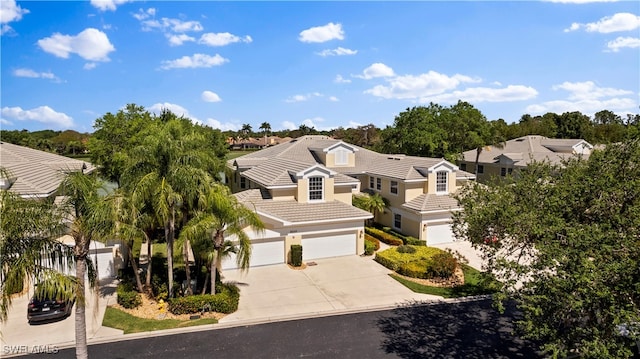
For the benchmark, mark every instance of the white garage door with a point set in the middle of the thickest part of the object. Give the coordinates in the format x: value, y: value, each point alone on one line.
x: 330, y: 246
x: 261, y: 254
x: 439, y: 233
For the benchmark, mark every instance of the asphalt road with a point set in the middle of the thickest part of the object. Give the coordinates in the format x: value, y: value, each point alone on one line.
x: 461, y: 330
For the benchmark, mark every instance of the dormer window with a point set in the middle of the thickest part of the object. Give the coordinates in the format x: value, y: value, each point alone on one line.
x: 316, y: 188
x: 342, y: 157
x: 442, y: 183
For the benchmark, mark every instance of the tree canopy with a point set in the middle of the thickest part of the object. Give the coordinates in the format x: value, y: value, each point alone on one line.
x: 565, y: 242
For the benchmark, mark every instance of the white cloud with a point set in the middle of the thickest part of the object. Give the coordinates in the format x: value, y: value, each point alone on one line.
x: 312, y: 122
x: 43, y: 114
x: 485, y: 94
x: 10, y: 11
x: 145, y: 14
x: 333, y: 99
x: 33, y: 74
x: 176, y: 109
x: 89, y: 66
x: 587, y: 98
x: 222, y: 39
x: 424, y: 85
x: 338, y: 51
x: 212, y: 122
x: 376, y: 70
x: 104, y: 5
x: 623, y: 21
x: 623, y: 42
x: 177, y: 40
x: 324, y: 33
x: 5, y: 122
x: 173, y: 25
x: 302, y: 98
x: 288, y: 125
x: 341, y: 80
x: 91, y: 44
x: 194, y: 61
x: 210, y: 96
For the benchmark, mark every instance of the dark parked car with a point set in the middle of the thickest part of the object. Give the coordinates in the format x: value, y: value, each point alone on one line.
x: 47, y: 309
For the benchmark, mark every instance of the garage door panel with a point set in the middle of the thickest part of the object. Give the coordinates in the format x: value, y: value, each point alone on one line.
x: 439, y: 233
x: 329, y: 246
x: 261, y: 254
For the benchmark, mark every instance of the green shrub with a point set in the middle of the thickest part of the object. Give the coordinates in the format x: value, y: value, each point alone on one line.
x: 413, y: 270
x: 373, y: 240
x: 441, y: 265
x: 225, y: 301
x: 369, y: 248
x: 296, y: 255
x: 384, y: 237
x: 406, y: 249
x: 127, y: 297
x: 159, y: 288
x: 414, y: 241
x: 393, y: 259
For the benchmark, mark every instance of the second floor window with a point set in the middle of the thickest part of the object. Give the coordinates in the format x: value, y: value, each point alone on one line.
x: 441, y: 182
x: 315, y: 188
x: 503, y: 171
x: 394, y: 187
x: 463, y: 166
x: 379, y: 184
x: 371, y: 184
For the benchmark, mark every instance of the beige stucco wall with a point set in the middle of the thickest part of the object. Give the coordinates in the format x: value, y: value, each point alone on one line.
x: 283, y: 194
x: 343, y: 194
x: 303, y: 190
x: 431, y: 185
x: 413, y: 190
x: 329, y: 189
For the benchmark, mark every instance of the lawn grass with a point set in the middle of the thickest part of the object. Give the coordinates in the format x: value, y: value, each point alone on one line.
x: 235, y: 154
x: 118, y: 319
x: 475, y: 283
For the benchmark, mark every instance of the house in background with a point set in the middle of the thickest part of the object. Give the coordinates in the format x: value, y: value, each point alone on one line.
x: 37, y: 175
x: 497, y: 162
x: 302, y: 191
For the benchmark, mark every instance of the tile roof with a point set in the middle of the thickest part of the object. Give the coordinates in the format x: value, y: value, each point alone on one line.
x: 524, y: 150
x: 293, y: 212
x: 37, y: 173
x: 432, y: 202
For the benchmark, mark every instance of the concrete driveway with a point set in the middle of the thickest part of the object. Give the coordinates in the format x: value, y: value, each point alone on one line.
x: 332, y: 286
x: 17, y: 335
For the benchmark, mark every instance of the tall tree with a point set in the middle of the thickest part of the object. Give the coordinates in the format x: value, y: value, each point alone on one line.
x: 91, y: 220
x: 221, y: 215
x: 373, y: 203
x: 266, y: 129
x: 245, y: 131
x: 565, y: 242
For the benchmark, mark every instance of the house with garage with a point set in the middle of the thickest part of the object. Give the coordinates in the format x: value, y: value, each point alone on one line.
x: 37, y: 175
x: 499, y: 161
x: 302, y: 191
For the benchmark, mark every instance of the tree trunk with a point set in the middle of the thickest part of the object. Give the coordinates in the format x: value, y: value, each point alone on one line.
x: 213, y: 274
x: 149, y: 263
x: 187, y: 268
x: 81, y: 251
x: 204, y: 285
x: 134, y: 265
x: 478, y: 151
x: 170, y: 234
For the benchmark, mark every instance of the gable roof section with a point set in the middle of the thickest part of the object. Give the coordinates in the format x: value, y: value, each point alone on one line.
x: 432, y: 203
x: 37, y: 173
x: 290, y: 212
x: 281, y: 172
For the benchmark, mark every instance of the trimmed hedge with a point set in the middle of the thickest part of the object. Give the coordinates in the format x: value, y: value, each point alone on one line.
x: 372, y: 243
x: 441, y: 265
x: 415, y: 241
x: 225, y: 301
x: 127, y: 296
x: 296, y: 255
x: 409, y: 264
x: 383, y: 236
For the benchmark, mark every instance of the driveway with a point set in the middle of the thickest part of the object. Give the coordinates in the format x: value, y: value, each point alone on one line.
x: 331, y: 286
x: 18, y: 334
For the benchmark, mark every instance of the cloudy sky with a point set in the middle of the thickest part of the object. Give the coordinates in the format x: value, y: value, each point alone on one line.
x: 322, y: 64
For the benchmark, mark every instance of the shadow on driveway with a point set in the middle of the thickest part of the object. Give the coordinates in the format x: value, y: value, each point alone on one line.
x: 447, y: 330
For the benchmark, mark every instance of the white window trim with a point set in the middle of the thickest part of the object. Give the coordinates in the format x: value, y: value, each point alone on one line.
x: 446, y: 182
x: 378, y: 184
x: 309, y: 189
x: 394, y: 221
x: 391, y: 186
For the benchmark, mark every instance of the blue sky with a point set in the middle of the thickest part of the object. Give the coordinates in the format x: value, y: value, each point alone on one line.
x: 322, y: 64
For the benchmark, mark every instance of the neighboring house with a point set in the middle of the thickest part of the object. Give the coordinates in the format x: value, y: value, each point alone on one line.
x: 302, y: 191
x: 37, y: 175
x: 496, y: 162
x: 34, y: 173
x: 255, y: 143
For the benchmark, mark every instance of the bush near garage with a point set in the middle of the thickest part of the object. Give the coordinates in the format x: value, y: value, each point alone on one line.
x: 371, y: 244
x: 441, y: 266
x: 414, y: 264
x: 127, y: 296
x: 383, y: 236
x: 296, y: 255
x: 225, y: 301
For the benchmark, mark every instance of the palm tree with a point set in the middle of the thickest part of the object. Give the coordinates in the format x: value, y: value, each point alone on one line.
x: 29, y: 250
x: 373, y: 203
x: 266, y: 128
x: 222, y: 215
x: 245, y: 131
x: 169, y: 171
x: 91, y: 220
